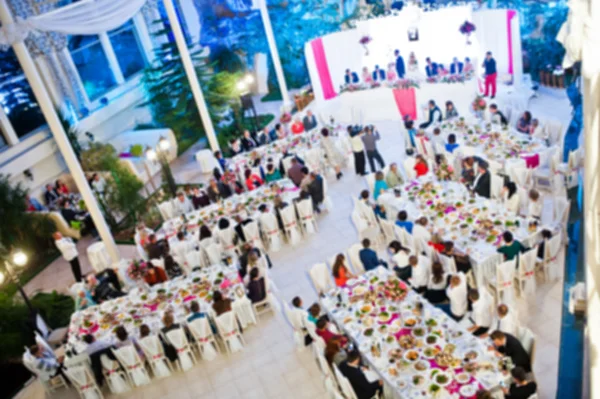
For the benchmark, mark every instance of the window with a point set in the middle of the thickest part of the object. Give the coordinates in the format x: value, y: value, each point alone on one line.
x: 127, y: 49
x: 92, y: 65
x: 16, y: 97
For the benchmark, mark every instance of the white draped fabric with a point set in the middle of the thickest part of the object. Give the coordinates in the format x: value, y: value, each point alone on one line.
x: 86, y: 17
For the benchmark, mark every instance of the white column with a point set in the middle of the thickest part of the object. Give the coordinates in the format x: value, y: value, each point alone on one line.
x: 190, y: 71
x: 264, y: 13
x: 8, y: 132
x: 47, y: 77
x: 43, y: 100
x: 71, y: 65
x: 112, y: 58
x: 144, y: 37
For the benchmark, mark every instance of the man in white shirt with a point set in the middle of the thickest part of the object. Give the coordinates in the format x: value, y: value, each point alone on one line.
x: 420, y: 231
x: 457, y: 293
x: 506, y: 320
x: 68, y: 249
x: 182, y: 204
x: 420, y: 273
x: 481, y: 315
x: 300, y: 321
x: 180, y: 247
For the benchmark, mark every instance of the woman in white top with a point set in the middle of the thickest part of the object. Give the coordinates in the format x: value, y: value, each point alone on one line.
x: 510, y: 197
x: 481, y: 314
x: 358, y: 149
x: 399, y: 254
x: 420, y: 273
x: 535, y: 205
x: 457, y: 294
x: 437, y: 283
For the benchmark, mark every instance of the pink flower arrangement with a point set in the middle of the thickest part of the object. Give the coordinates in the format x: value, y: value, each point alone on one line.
x: 137, y: 270
x: 467, y: 28
x: 365, y: 40
x: 285, y: 118
x: 479, y: 104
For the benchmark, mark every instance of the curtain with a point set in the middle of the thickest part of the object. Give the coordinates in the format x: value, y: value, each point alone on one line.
x: 406, y: 102
x: 323, y: 68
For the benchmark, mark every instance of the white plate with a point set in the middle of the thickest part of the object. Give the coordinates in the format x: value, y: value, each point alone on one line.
x: 467, y: 391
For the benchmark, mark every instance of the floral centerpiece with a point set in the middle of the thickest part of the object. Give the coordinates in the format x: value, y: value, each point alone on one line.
x: 444, y: 171
x: 137, y: 270
x: 453, y: 79
x: 394, y: 290
x: 364, y: 41
x: 405, y: 84
x: 479, y: 104
x: 466, y: 29
x: 285, y: 118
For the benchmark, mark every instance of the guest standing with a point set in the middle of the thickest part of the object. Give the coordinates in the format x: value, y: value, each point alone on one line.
x: 358, y: 149
x: 510, y: 346
x: 334, y: 156
x: 400, y: 70
x: 370, y: 139
x: 68, y: 249
x: 490, y: 75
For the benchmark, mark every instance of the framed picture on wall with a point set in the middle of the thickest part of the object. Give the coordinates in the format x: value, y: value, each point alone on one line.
x: 413, y: 34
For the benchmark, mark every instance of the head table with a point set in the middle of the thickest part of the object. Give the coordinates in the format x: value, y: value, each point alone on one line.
x: 413, y: 346
x: 147, y: 305
x: 474, y: 224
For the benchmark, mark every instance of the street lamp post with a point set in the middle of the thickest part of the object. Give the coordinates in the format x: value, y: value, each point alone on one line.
x: 160, y: 155
x: 18, y: 259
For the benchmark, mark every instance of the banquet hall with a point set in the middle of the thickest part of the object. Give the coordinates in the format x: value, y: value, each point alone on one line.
x: 377, y: 199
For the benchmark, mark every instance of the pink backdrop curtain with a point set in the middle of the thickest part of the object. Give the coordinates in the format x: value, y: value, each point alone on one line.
x: 323, y: 68
x: 406, y: 100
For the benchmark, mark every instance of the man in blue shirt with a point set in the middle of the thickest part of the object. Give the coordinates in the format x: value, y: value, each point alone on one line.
x: 400, y: 71
x: 378, y: 74
x: 431, y: 68
x: 490, y: 74
x: 403, y: 222
x: 369, y: 257
x: 350, y: 77
x: 456, y: 67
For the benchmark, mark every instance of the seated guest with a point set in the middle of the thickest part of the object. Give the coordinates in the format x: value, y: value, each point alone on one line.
x: 195, y: 312
x: 483, y: 394
x: 33, y: 204
x: 451, y: 111
x: 420, y: 231
x: 497, y: 116
x: 257, y: 290
x: 391, y: 72
x: 511, y: 247
x: 399, y: 254
x: 457, y: 293
x: 200, y: 199
x: 104, y: 286
x: 431, y: 69
x: 394, y: 177
x: 350, y: 77
x: 316, y: 190
x: 253, y: 181
x: 262, y: 137
x: 368, y: 256
x: 362, y: 387
x: 95, y: 349
x: 172, y: 268
x: 482, y: 182
x: 421, y: 167
x: 435, y: 115
x: 340, y: 272
x: 463, y: 264
x: 50, y: 195
x: 221, y: 160
x: 182, y: 204
x: 419, y: 275
x: 334, y: 353
x: 295, y: 172
x: 378, y: 74
x: 404, y: 272
x: 451, y: 145
x: 310, y: 121
x: 217, y: 191
x: 506, y: 320
x: 272, y: 174
x: 536, y: 205
x: 468, y: 171
x: 205, y: 234
x: 314, y: 313
x: 436, y: 287
x: 404, y: 222
x: 456, y: 68
x: 536, y: 130
x: 72, y: 215
x: 156, y: 248
x: 124, y: 339
x: 508, y: 345
x: 239, y: 227
x: 297, y: 126
x: 235, y: 147
x: 248, y: 142
x: 380, y: 185
x: 324, y: 332
x: 84, y: 300
x: 481, y: 315
x: 169, y: 325
x: 305, y: 179
x: 546, y: 235
x: 61, y: 188
x: 510, y: 197
x: 411, y: 132
x: 45, y: 363
x: 220, y: 304
x: 468, y: 67
x: 438, y: 143
x: 367, y: 78
x: 155, y: 275
x: 524, y: 123
x: 521, y: 388
x: 180, y: 246
x: 442, y: 71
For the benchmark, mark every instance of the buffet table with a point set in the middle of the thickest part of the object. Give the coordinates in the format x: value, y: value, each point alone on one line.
x: 413, y: 346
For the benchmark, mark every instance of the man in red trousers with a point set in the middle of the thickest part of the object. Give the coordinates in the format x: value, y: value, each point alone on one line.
x: 491, y: 74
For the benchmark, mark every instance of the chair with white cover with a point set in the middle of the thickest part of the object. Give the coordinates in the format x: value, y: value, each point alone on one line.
x: 307, y: 216
x: 194, y: 260
x: 50, y: 383
x: 520, y: 175
x: 205, y: 340
x: 213, y: 253
x: 409, y: 168
x: 166, y: 210
x: 388, y: 230
x: 114, y: 376
x: 320, y: 277
x: 527, y: 339
x: 290, y: 224
x: 332, y: 389
x: 84, y: 382
x: 526, y: 272
x: 252, y: 234
x: 133, y: 365
x: 229, y: 332
x: 155, y: 356
x: 504, y: 287
x: 366, y: 225
x: 185, y: 355
x: 244, y: 312
x: 344, y: 384
x: 370, y: 180
x: 448, y: 263
x: 561, y: 210
x: 554, y: 259
x: 496, y: 186
x: 227, y: 238
x: 327, y: 203
x: 297, y: 323
x: 354, y: 256
x: 270, y: 230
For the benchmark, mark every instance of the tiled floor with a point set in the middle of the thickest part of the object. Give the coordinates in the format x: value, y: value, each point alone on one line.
x: 269, y: 366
